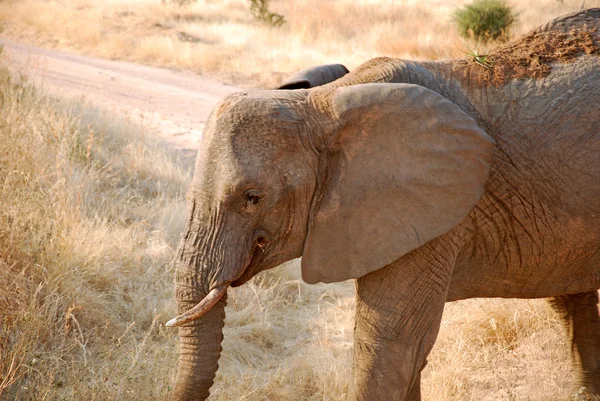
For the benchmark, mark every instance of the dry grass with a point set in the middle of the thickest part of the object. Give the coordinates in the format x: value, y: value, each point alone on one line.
x: 91, y: 209
x: 493, y: 349
x: 221, y: 39
x: 87, y: 227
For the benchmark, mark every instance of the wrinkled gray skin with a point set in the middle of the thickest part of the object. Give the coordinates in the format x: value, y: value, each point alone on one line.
x: 426, y: 187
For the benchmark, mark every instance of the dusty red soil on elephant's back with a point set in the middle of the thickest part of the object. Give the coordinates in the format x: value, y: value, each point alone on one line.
x: 531, y: 55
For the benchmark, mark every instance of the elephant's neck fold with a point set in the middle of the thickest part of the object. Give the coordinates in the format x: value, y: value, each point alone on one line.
x: 443, y: 77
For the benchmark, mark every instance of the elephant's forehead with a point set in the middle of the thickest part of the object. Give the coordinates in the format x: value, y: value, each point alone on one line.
x: 256, y: 130
x: 244, y: 106
x: 248, y: 137
x: 262, y: 151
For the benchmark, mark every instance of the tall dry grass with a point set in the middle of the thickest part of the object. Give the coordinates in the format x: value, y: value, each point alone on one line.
x: 221, y: 39
x: 90, y: 210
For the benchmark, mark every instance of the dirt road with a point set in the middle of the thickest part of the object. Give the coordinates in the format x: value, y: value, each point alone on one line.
x: 174, y: 104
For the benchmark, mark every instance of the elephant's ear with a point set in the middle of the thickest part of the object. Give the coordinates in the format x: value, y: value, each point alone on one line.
x: 315, y: 76
x: 404, y: 167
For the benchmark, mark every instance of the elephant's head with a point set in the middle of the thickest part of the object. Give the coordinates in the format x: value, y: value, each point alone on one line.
x: 350, y: 179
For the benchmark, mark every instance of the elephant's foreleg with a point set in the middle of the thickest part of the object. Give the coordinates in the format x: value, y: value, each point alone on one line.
x: 398, y: 314
x: 581, y: 318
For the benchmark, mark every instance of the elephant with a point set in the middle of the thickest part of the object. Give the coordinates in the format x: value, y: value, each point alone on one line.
x: 425, y: 182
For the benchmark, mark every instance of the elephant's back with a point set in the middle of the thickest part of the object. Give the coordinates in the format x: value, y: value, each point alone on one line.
x: 535, y: 55
x: 578, y: 19
x: 541, y: 99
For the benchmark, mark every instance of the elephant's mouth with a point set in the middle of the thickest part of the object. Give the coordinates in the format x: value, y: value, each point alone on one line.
x: 216, y: 293
x: 255, y: 262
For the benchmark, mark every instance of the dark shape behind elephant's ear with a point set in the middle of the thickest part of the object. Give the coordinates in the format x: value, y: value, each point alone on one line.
x: 314, y: 76
x: 403, y: 166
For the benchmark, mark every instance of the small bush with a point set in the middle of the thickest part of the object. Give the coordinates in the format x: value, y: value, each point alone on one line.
x: 260, y: 11
x: 485, y: 20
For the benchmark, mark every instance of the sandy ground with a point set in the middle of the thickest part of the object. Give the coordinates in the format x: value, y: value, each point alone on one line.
x: 173, y: 104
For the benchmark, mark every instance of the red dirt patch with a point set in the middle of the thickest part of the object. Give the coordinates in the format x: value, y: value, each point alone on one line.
x: 530, y: 56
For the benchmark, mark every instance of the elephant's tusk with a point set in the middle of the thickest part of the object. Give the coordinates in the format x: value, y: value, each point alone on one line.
x: 201, y: 308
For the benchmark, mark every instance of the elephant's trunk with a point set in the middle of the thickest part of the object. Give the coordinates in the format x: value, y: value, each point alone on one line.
x: 199, y: 340
x: 199, y: 351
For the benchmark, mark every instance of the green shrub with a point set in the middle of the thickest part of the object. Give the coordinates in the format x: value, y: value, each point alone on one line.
x: 260, y: 11
x: 485, y: 20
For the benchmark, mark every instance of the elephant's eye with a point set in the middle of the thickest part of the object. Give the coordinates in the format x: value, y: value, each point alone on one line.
x: 252, y: 198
